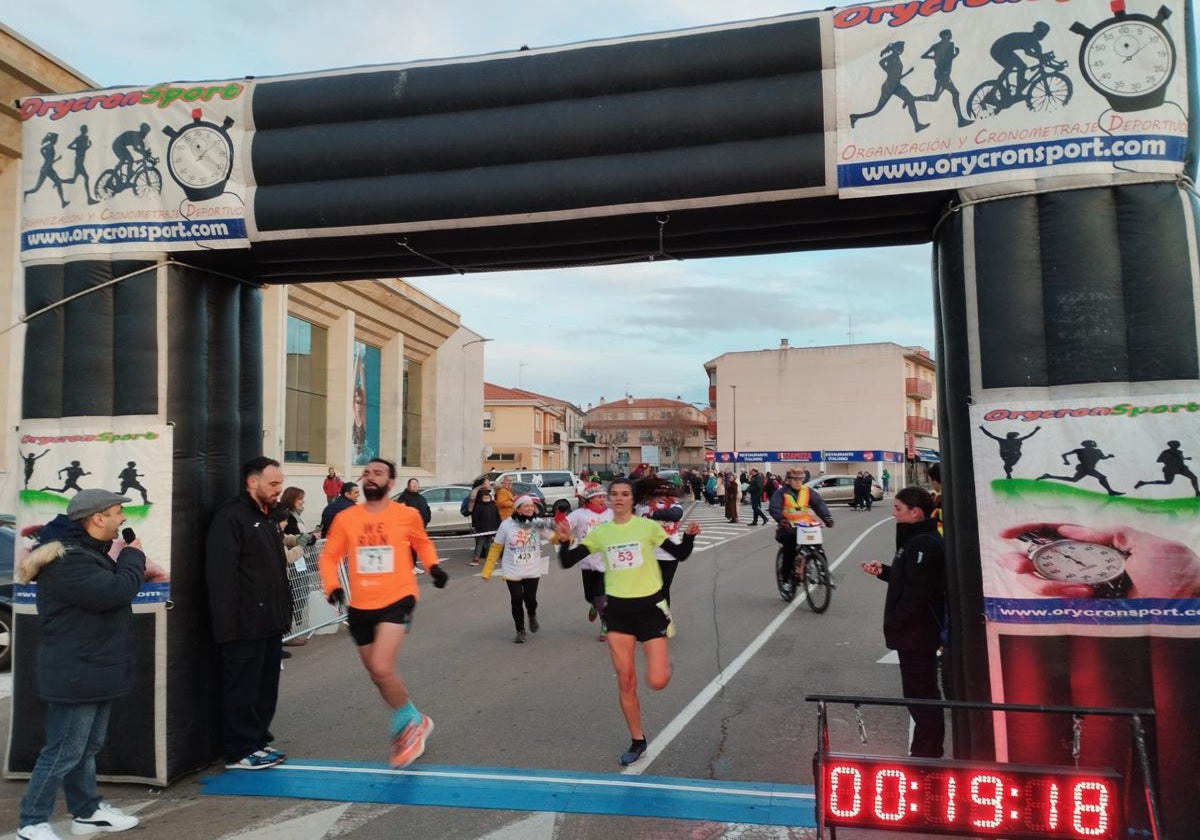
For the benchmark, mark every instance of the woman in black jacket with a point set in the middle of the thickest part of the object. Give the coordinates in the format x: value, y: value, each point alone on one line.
x: 914, y: 611
x: 485, y: 519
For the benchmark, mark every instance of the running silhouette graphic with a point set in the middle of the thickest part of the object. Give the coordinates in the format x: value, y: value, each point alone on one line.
x: 943, y: 54
x: 893, y: 85
x: 80, y: 146
x: 129, y: 481
x: 74, y: 473
x: 1089, y: 456
x: 1010, y: 448
x: 50, y: 157
x: 1172, y: 459
x: 30, y: 460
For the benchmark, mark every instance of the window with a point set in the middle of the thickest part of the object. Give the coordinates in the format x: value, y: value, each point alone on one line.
x: 410, y: 443
x: 503, y: 456
x: 456, y: 494
x: 305, y: 392
x: 487, y: 419
x: 646, y: 436
x: 537, y: 421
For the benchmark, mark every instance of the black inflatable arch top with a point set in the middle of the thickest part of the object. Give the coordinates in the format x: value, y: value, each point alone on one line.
x: 559, y: 157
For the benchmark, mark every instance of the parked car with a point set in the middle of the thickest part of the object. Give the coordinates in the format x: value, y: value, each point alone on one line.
x: 551, y: 484
x: 840, y: 488
x: 8, y: 542
x: 445, y: 503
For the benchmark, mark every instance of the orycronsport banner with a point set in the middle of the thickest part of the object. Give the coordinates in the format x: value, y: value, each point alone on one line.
x: 1089, y: 510
x: 133, y: 170
x: 128, y: 455
x: 948, y: 93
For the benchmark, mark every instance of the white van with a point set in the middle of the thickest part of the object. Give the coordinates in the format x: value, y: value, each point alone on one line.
x: 554, y: 484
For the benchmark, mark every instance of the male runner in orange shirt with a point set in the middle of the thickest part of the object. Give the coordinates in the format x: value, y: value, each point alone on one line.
x: 378, y: 538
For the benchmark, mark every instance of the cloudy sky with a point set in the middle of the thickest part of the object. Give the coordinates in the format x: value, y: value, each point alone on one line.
x: 595, y: 332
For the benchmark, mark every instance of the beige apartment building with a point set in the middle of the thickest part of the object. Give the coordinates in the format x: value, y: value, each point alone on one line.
x: 840, y: 409
x: 522, y: 430
x: 630, y: 431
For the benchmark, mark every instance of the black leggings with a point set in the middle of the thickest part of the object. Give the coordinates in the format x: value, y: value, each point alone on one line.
x: 593, y: 585
x: 668, y: 568
x: 523, y: 593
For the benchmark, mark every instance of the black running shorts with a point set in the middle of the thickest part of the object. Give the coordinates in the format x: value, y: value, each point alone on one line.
x: 643, y: 618
x: 362, y: 622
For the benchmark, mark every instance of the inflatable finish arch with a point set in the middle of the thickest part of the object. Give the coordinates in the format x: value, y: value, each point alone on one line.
x: 1063, y: 276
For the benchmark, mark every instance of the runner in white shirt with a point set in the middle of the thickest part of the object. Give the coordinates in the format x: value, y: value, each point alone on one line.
x: 518, y: 548
x: 593, y: 512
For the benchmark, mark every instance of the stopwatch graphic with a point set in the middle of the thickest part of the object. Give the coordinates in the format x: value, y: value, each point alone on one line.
x: 200, y: 156
x: 1129, y: 58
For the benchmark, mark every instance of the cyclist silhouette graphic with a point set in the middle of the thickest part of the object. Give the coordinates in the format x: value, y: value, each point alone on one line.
x: 1089, y: 456
x: 893, y: 85
x: 80, y: 146
x: 1010, y: 447
x: 30, y: 460
x: 943, y: 54
x: 50, y: 157
x: 1172, y: 459
x: 141, y: 175
x: 1005, y: 48
x: 74, y: 473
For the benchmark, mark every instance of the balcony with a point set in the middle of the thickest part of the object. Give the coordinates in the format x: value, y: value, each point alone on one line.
x: 918, y: 425
x: 918, y: 388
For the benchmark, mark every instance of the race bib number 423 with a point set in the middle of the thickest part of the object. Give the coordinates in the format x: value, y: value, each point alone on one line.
x: 624, y: 556
x: 374, y: 559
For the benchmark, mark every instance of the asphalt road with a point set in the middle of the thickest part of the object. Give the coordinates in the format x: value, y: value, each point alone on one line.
x: 734, y: 710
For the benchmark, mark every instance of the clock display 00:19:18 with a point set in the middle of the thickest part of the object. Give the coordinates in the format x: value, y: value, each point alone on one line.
x: 969, y: 798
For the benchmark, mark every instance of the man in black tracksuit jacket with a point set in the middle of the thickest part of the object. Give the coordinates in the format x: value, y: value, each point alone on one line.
x: 914, y: 611
x: 246, y: 571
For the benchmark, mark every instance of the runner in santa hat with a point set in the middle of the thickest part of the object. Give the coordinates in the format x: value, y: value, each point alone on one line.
x: 593, y: 511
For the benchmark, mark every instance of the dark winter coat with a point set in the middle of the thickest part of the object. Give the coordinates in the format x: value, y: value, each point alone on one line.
x: 485, y: 517
x: 915, y: 607
x: 84, y: 598
x: 331, y: 510
x: 417, y: 502
x: 246, y: 571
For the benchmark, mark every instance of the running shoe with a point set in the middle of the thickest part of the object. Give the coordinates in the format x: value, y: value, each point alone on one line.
x: 634, y: 754
x: 533, y: 624
x: 519, y: 639
x: 106, y: 818
x: 409, y: 743
x: 418, y: 570
x: 592, y: 613
x: 474, y: 561
x: 257, y: 760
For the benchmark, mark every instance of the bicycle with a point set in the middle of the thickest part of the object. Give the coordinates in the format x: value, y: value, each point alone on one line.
x: 143, y: 178
x: 815, y: 580
x: 1044, y: 90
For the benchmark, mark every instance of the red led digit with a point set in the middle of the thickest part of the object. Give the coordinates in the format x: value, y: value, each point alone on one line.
x: 951, y: 803
x: 838, y: 791
x: 995, y: 801
x: 891, y: 806
x: 1089, y: 808
x: 1052, y: 806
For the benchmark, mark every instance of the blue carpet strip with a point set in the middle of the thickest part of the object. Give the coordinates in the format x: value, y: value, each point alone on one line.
x: 506, y: 789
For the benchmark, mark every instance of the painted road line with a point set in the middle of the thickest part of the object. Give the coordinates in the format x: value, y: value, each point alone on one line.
x: 672, y: 729
x: 497, y: 788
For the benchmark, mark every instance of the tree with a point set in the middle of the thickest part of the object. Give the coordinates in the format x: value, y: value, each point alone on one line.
x: 674, y: 432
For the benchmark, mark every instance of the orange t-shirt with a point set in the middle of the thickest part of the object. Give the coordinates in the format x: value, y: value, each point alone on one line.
x: 379, y: 550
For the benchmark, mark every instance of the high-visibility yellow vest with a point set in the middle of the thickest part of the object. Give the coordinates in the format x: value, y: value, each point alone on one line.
x: 796, y: 509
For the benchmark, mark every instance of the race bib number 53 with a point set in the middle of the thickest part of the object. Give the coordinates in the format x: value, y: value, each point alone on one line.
x: 374, y: 559
x: 624, y: 556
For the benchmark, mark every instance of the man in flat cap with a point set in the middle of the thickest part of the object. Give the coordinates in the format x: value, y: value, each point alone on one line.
x: 85, y: 657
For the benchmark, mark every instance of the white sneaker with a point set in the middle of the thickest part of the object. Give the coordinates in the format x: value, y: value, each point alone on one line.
x: 38, y: 831
x: 106, y: 818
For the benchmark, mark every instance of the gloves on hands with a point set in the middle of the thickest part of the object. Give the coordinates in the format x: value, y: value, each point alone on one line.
x: 305, y: 540
x: 338, y: 598
x: 439, y: 576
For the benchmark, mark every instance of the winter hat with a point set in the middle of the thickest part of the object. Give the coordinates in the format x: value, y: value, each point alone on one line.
x: 93, y: 500
x: 523, y: 499
x: 592, y: 489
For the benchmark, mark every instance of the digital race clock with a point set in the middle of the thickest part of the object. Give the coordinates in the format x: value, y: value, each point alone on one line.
x: 975, y: 799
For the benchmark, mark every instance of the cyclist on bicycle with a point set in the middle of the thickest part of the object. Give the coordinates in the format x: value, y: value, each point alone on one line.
x: 125, y: 145
x: 795, y: 504
x: 1004, y: 52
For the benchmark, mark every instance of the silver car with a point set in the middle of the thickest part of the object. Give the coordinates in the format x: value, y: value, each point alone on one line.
x: 840, y: 488
x: 445, y: 503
